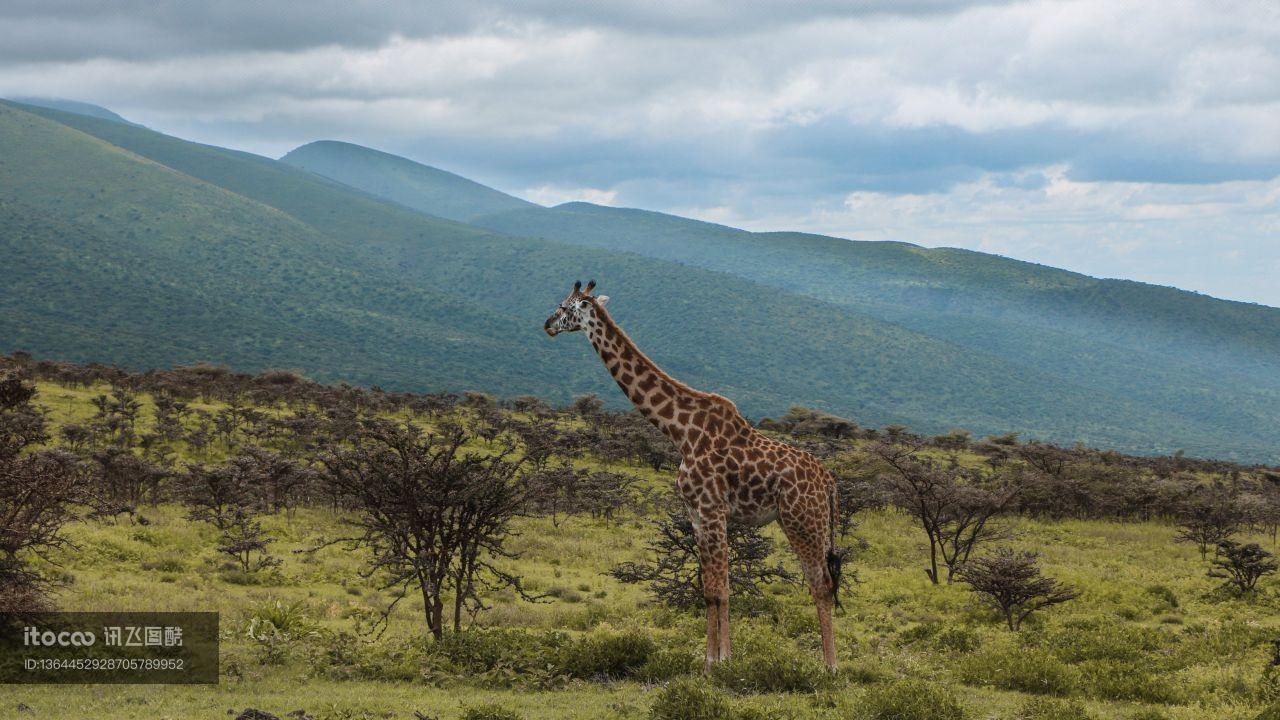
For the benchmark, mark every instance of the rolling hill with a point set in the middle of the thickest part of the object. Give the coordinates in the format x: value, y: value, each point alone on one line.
x: 1138, y: 343
x: 77, y: 108
x: 403, y: 181
x: 126, y: 245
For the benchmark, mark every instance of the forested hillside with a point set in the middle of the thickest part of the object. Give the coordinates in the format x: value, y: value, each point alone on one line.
x: 134, y: 247
x: 411, y: 184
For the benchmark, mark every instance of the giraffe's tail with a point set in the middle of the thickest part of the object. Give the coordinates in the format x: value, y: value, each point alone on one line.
x: 833, y: 570
x: 833, y: 558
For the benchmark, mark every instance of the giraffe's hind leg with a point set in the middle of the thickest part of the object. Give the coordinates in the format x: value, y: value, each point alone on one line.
x: 713, y: 558
x: 806, y: 524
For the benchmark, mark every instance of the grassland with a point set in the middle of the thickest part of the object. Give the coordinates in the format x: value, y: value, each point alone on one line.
x: 1149, y: 638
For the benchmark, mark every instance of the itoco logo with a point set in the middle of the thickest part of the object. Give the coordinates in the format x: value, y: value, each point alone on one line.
x: 33, y: 636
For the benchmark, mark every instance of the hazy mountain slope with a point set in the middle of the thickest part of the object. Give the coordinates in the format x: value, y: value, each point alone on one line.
x: 944, y: 280
x: 409, y: 183
x: 386, y: 295
x: 1035, y: 314
x: 72, y: 106
x: 1205, y: 360
x: 112, y: 257
x: 148, y: 250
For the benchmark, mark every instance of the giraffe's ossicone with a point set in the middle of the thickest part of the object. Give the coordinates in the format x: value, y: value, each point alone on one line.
x: 728, y: 470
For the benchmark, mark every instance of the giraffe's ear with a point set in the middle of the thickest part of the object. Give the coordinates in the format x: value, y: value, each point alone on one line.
x: 601, y: 300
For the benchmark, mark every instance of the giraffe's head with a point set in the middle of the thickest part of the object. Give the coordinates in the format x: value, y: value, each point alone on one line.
x: 576, y: 311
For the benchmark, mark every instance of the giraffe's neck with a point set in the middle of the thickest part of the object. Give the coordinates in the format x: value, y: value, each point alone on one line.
x: 658, y: 396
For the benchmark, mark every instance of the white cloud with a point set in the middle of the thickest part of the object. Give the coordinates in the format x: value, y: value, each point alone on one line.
x: 973, y: 124
x: 1220, y: 238
x: 551, y: 195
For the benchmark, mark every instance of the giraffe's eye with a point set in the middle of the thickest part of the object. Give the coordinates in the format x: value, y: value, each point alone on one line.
x: 583, y: 304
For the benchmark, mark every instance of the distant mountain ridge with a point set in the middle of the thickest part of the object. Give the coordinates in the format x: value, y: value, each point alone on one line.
x: 411, y: 184
x: 75, y: 107
x: 134, y: 247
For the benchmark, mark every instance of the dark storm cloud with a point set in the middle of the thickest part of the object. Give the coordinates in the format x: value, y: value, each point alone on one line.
x: 47, y: 30
x: 43, y: 30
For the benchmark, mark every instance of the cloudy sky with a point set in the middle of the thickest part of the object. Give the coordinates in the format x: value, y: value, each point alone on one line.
x: 1119, y: 138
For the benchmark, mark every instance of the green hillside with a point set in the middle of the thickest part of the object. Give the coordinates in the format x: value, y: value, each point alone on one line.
x: 1154, y: 346
x: 137, y: 248
x: 1138, y: 344
x: 297, y: 271
x: 72, y: 106
x: 411, y: 184
x: 901, y: 282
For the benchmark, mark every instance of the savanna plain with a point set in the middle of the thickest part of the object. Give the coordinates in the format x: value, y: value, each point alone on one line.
x: 574, y: 607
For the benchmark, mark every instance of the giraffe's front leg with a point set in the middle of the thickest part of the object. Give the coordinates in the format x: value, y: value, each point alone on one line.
x: 713, y: 558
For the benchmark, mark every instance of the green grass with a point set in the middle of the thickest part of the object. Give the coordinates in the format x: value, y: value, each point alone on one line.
x: 1212, y: 655
x: 1148, y: 634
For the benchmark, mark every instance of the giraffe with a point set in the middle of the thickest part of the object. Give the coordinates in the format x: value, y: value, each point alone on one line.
x: 728, y: 471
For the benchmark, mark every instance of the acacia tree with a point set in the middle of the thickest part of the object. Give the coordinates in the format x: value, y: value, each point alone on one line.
x: 21, y: 423
x: 629, y: 435
x: 1241, y: 566
x: 552, y: 490
x: 214, y: 494
x: 244, y: 540
x: 123, y: 480
x: 435, y: 517
x: 1208, y: 518
x: 671, y: 573
x: 1011, y: 582
x: 38, y: 495
x: 857, y: 486
x: 116, y: 416
x: 540, y: 440
x: 955, y: 507
x: 277, y: 482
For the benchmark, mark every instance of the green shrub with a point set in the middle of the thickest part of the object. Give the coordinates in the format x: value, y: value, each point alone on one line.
x: 1126, y: 680
x: 1051, y: 709
x: 958, y: 639
x: 236, y: 576
x: 863, y: 671
x: 1082, y: 640
x: 489, y: 712
x: 344, y: 656
x: 1025, y: 669
x: 1166, y: 599
x: 910, y: 700
x: 276, y: 628
x: 1271, y: 712
x: 1269, y: 684
x: 563, y: 593
x: 607, y: 655
x: 916, y: 633
x: 760, y: 671
x: 286, y: 617
x: 668, y: 663
x: 502, y: 657
x: 691, y: 699
x: 167, y: 563
x: 1218, y: 641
